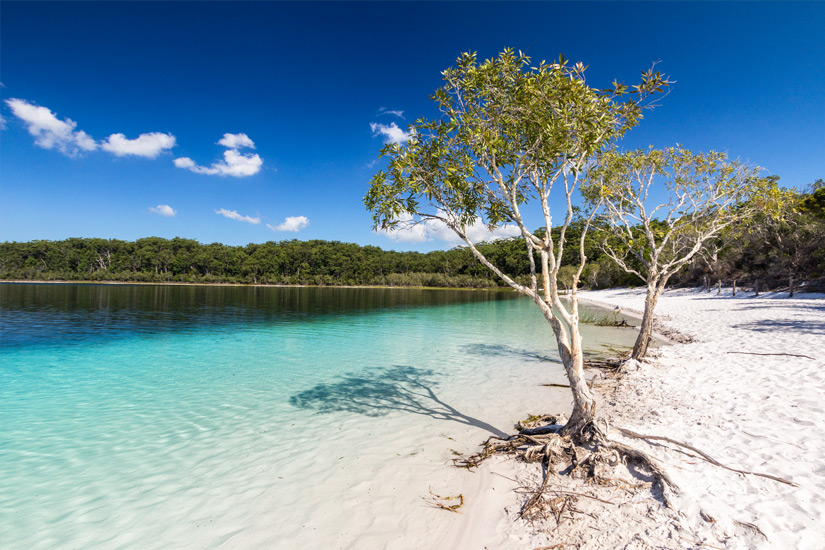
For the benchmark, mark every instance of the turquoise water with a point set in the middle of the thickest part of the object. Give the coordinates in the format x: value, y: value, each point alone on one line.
x: 163, y: 416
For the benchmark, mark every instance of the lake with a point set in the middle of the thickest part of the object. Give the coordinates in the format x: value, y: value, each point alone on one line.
x: 158, y: 416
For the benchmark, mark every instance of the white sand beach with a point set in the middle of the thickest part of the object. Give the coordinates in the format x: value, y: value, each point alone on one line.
x: 748, y: 390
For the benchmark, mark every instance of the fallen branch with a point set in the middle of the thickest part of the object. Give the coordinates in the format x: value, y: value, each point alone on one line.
x: 786, y: 354
x: 631, y: 433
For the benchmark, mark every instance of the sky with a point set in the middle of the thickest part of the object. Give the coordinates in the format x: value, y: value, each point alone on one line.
x: 248, y: 122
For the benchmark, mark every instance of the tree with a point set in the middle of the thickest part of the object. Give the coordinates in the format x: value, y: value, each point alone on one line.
x: 704, y: 194
x: 507, y: 134
x: 788, y: 238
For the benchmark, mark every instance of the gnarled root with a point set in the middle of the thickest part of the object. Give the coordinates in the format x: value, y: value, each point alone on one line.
x: 585, y: 453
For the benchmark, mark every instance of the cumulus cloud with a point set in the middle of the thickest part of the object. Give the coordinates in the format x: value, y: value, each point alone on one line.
x: 429, y: 230
x: 236, y: 141
x: 145, y: 145
x: 52, y: 133
x: 233, y: 215
x: 235, y: 163
x: 385, y: 111
x: 391, y: 133
x: 164, y: 210
x: 292, y: 223
x: 49, y: 131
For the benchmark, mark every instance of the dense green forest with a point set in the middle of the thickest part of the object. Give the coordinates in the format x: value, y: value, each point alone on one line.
x: 313, y: 262
x: 774, y: 252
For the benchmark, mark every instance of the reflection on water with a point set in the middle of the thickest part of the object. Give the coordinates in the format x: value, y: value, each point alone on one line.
x: 60, y: 314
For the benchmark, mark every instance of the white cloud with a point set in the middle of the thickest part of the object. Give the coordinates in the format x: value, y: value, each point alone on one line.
x: 235, y: 163
x: 236, y: 141
x: 49, y: 131
x: 428, y: 230
x: 391, y: 133
x: 233, y: 215
x: 292, y: 223
x: 385, y: 111
x: 2, y: 123
x: 145, y: 145
x: 185, y: 162
x: 164, y: 210
x: 53, y: 133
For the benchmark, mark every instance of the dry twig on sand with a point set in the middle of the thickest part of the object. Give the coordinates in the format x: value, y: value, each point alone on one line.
x: 449, y: 507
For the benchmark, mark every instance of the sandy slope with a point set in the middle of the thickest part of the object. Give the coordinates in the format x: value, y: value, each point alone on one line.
x: 762, y: 413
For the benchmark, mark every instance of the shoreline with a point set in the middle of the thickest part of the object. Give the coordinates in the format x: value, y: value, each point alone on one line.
x: 656, y: 335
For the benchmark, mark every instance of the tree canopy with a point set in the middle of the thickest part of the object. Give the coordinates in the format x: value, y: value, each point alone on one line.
x: 510, y: 131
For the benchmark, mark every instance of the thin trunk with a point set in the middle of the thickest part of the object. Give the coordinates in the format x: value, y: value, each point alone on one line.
x: 584, y: 404
x: 654, y: 290
x: 756, y: 287
x: 719, y: 287
x: 572, y: 358
x: 734, y: 287
x: 790, y: 286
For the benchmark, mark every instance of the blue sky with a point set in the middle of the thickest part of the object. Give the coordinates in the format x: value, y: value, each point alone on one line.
x: 171, y: 98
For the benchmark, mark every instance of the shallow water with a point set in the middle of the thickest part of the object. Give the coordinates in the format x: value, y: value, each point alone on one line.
x: 189, y: 416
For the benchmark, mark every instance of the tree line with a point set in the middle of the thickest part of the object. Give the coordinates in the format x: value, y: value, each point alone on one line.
x: 775, y: 251
x: 291, y: 262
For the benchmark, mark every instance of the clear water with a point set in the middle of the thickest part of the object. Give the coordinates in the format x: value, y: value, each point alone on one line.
x: 184, y: 416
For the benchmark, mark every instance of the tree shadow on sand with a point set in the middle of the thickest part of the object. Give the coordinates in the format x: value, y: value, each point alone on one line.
x: 785, y: 325
x: 382, y: 390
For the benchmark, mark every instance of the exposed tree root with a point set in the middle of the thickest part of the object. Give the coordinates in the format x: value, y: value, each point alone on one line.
x: 630, y: 433
x: 587, y: 455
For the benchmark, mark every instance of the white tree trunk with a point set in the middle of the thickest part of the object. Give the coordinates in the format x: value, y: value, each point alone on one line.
x: 654, y: 290
x: 572, y: 358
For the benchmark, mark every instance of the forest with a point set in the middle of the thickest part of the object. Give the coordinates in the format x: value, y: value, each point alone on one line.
x: 784, y: 250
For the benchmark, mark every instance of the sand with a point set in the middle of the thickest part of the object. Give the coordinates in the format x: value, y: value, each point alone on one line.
x: 763, y: 413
